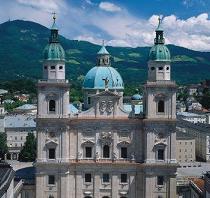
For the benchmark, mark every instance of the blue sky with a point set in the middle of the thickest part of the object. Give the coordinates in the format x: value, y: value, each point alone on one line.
x: 119, y: 22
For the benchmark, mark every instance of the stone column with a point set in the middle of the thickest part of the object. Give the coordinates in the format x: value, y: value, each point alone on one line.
x: 115, y: 184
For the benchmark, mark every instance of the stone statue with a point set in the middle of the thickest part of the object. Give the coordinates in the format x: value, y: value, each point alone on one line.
x: 133, y: 156
x: 79, y: 155
x: 102, y: 106
x: 106, y: 82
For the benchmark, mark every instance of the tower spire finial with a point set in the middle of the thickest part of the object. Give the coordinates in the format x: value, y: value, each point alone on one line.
x: 159, y: 20
x: 54, y: 16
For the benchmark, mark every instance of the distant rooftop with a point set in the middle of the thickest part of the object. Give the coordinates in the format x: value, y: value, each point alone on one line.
x: 189, y: 114
x: 27, y: 107
x: 20, y: 120
x: 138, y: 108
x: 2, y: 91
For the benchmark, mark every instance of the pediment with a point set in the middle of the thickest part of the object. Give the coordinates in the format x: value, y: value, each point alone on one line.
x: 160, y: 143
x: 50, y: 143
x: 106, y: 93
x: 88, y: 142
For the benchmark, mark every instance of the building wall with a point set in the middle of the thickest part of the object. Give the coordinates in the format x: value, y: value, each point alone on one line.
x: 201, y: 134
x: 185, y: 150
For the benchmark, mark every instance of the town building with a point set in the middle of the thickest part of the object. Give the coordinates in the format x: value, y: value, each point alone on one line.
x: 185, y: 148
x: 201, y: 133
x: 193, y: 117
x: 105, y: 151
x: 17, y: 127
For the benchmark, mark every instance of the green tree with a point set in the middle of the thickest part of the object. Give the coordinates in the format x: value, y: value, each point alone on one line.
x: 28, y: 152
x: 3, y: 144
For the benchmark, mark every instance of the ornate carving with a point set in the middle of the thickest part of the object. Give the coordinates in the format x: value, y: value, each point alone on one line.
x: 97, y: 155
x: 133, y: 156
x: 110, y: 106
x: 51, y: 96
x: 107, y: 106
x: 79, y: 155
x: 102, y: 106
x: 114, y: 156
x: 106, y: 137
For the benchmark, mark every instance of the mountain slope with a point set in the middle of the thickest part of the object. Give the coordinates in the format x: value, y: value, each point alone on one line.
x: 22, y: 43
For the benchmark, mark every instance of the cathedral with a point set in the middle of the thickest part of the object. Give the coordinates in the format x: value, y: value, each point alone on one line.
x: 105, y: 151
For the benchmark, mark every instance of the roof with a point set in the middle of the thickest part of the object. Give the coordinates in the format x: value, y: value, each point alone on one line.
x: 159, y: 53
x: 2, y: 91
x: 27, y: 174
x: 54, y: 26
x: 189, y: 114
x: 198, y: 183
x: 20, y: 121
x: 6, y: 176
x: 54, y: 51
x: 136, y: 97
x: 27, y: 107
x: 95, y: 78
x: 183, y: 136
x: 103, y: 51
x: 8, y: 101
x: 73, y: 109
x: 128, y: 107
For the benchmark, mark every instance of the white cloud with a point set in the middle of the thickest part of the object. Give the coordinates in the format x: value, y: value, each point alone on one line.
x: 120, y: 29
x: 109, y: 7
x: 49, y: 5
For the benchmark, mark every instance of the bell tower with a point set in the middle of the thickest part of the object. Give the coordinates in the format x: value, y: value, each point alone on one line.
x: 160, y: 91
x: 53, y: 111
x: 160, y: 122
x: 53, y: 89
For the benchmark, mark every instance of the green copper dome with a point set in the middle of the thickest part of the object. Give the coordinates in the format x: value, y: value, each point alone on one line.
x: 159, y: 53
x: 54, y: 51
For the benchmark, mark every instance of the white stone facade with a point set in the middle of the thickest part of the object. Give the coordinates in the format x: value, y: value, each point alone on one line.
x: 106, y: 152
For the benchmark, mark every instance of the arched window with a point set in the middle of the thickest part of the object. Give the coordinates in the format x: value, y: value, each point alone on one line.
x: 106, y: 151
x: 52, y: 105
x: 161, y: 108
x: 51, y: 196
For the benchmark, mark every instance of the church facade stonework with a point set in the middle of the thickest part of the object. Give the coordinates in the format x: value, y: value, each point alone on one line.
x: 105, y: 151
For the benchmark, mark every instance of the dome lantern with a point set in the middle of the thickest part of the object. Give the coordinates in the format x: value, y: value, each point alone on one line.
x: 103, y: 58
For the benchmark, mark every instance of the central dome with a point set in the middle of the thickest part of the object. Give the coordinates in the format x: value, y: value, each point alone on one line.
x: 96, y: 76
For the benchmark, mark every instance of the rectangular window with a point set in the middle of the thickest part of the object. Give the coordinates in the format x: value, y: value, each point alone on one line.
x: 160, y: 180
x: 123, y: 178
x: 88, y: 177
x: 161, y: 106
x: 52, y: 153
x: 105, y: 178
x: 51, y: 180
x: 88, y: 100
x: 160, y: 154
x: 88, y: 152
x: 124, y: 152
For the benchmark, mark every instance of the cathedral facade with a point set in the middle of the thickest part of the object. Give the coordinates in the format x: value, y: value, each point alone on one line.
x: 105, y: 151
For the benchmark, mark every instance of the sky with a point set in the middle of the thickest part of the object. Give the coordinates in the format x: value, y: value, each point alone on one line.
x: 129, y: 23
